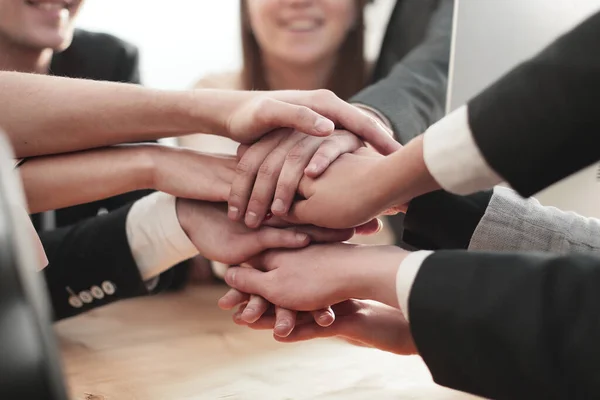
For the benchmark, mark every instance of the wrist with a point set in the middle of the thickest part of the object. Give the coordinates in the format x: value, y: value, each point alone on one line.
x: 376, y: 277
x: 411, y: 177
x: 184, y: 210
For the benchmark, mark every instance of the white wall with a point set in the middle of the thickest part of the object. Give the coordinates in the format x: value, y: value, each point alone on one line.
x: 182, y: 40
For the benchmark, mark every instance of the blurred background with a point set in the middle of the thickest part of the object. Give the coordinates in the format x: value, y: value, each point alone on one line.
x: 182, y: 40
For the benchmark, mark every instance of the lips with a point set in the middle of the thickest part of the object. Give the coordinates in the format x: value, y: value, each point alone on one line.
x: 50, y: 5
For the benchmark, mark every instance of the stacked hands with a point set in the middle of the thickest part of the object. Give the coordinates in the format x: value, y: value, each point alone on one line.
x: 292, y: 200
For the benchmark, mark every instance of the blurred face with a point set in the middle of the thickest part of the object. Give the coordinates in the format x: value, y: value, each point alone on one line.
x: 38, y: 24
x: 301, y: 31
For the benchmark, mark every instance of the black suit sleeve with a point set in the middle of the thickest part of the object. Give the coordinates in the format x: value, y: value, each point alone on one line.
x: 92, y: 254
x: 509, y: 326
x: 413, y: 96
x: 540, y: 123
x: 441, y: 220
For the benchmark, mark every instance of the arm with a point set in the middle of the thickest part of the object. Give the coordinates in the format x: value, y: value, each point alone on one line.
x: 118, y: 255
x: 508, y: 325
x: 78, y: 178
x: 498, y: 325
x: 47, y: 115
x: 413, y: 96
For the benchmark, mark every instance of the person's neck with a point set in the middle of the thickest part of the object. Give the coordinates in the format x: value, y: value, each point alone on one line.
x: 285, y: 76
x: 15, y: 57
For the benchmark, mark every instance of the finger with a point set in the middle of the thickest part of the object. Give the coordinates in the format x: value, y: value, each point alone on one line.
x: 267, y: 321
x: 325, y: 235
x: 292, y: 172
x: 273, y: 238
x: 255, y: 308
x: 285, y: 320
x: 273, y: 114
x: 370, y: 228
x: 246, y: 172
x: 330, y: 150
x: 268, y: 176
x: 324, y: 317
x: 355, y: 121
x: 232, y: 298
x: 308, y: 332
x: 247, y: 280
x: 241, y: 150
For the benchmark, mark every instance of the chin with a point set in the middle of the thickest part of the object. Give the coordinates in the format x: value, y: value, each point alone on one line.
x: 57, y: 41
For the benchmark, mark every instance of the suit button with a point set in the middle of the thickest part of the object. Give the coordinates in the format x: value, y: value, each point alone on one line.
x: 102, y: 211
x: 86, y: 297
x: 97, y: 292
x: 75, y: 302
x: 109, y: 287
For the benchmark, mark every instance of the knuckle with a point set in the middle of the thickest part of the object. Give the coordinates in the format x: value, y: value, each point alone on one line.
x: 267, y: 169
x: 303, y: 113
x: 245, y: 168
x: 285, y: 187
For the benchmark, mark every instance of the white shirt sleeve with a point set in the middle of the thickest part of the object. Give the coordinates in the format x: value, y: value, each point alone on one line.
x: 407, y: 272
x: 453, y: 158
x: 155, y: 236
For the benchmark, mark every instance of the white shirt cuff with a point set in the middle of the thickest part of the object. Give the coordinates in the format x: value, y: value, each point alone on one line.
x: 155, y: 236
x: 453, y: 158
x: 407, y: 272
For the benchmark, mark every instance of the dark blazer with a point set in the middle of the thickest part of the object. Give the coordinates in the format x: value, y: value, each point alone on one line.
x: 411, y: 73
x: 517, y: 325
x: 90, y: 260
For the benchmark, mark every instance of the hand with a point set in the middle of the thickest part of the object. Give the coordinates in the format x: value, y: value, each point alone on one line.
x: 348, y: 194
x: 250, y: 115
x: 273, y: 167
x: 219, y: 239
x: 321, y: 275
x: 191, y: 174
x: 363, y: 323
x: 253, y: 307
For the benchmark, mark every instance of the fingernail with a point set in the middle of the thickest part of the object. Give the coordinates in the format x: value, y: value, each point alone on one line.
x: 237, y: 316
x: 301, y: 237
x: 282, y: 329
x: 247, y: 313
x: 251, y: 219
x: 230, y: 276
x: 278, y: 206
x: 324, y: 125
x: 234, y: 212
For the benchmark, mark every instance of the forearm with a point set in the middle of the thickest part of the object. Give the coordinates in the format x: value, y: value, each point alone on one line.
x: 95, y: 114
x: 77, y: 178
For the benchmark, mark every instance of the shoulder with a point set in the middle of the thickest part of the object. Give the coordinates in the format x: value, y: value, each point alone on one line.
x: 97, y: 56
x: 100, y: 42
x: 224, y: 80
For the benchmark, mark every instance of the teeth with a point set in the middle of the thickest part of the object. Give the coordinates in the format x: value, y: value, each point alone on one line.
x: 303, y: 25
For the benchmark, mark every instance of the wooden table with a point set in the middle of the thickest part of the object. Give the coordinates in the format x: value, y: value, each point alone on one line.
x: 181, y: 346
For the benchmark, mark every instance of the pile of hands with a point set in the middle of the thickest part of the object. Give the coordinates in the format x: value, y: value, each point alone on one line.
x: 279, y: 213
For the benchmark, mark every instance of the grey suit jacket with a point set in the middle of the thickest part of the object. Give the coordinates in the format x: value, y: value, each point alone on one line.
x: 413, y: 96
x: 497, y: 220
x: 512, y: 223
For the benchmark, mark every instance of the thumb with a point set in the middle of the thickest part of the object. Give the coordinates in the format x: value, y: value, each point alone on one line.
x: 247, y: 280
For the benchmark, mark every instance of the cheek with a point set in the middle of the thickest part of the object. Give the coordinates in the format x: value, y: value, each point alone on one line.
x: 262, y: 16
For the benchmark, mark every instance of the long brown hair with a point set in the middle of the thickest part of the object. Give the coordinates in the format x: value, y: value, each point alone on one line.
x: 348, y: 76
